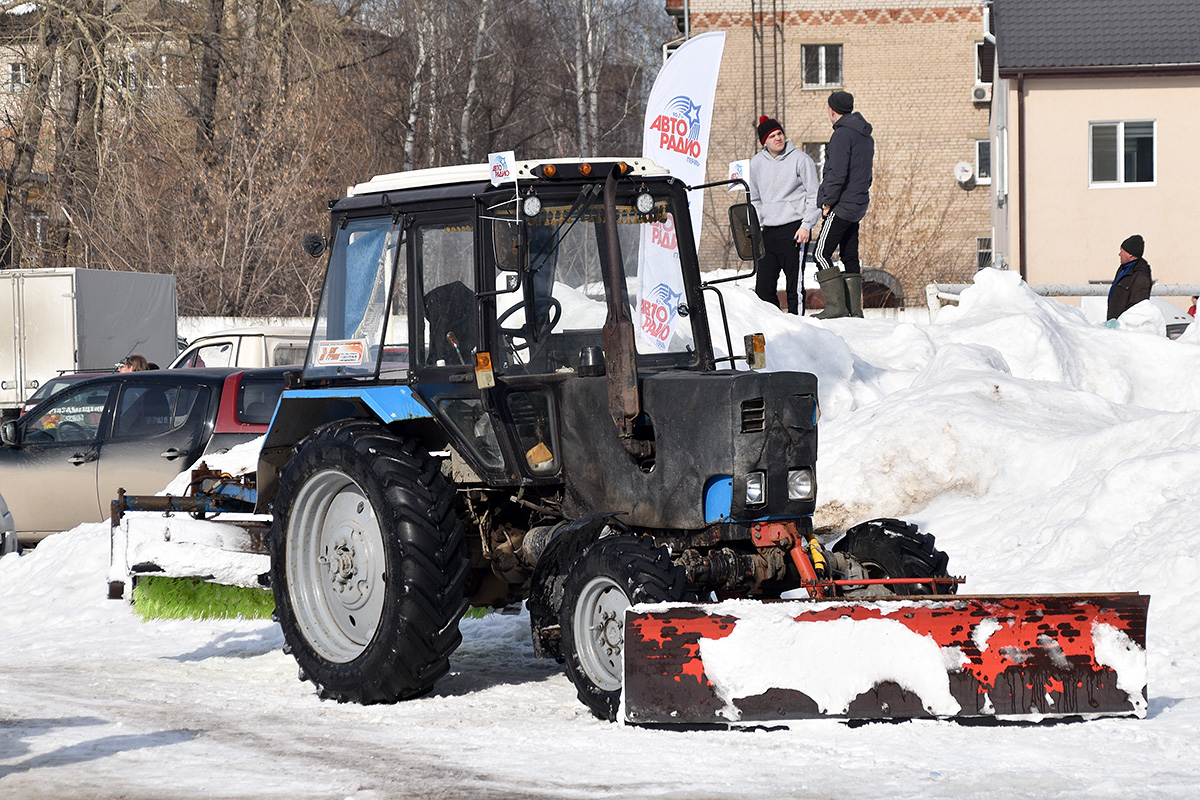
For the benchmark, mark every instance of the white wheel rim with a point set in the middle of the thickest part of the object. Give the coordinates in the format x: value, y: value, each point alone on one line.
x: 599, y: 628
x: 336, y: 566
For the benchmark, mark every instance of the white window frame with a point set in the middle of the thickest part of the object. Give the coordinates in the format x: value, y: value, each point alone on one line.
x: 819, y: 158
x: 823, y: 80
x: 1120, y: 182
x: 980, y: 249
x: 980, y: 180
x: 127, y: 74
x: 980, y: 78
x: 18, y: 76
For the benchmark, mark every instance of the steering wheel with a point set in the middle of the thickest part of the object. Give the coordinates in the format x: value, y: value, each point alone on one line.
x: 552, y: 317
x: 70, y: 431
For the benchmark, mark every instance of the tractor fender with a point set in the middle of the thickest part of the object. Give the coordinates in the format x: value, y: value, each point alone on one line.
x: 546, y: 584
x: 302, y: 411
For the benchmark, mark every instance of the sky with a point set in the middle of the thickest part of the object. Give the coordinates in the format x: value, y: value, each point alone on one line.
x: 1047, y: 454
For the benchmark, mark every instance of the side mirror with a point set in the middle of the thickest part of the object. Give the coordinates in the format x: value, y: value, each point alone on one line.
x: 747, y: 235
x: 506, y: 241
x: 10, y: 434
x: 314, y: 244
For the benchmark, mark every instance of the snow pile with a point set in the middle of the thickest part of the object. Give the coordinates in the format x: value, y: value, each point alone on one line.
x: 1045, y: 452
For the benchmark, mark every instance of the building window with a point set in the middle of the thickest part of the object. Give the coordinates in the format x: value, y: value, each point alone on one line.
x: 822, y: 65
x: 983, y: 252
x: 816, y: 151
x: 985, y: 62
x: 127, y: 77
x: 1122, y: 152
x: 18, y: 76
x: 983, y: 161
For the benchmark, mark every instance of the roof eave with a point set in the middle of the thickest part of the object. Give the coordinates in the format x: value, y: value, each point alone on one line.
x: 1105, y: 70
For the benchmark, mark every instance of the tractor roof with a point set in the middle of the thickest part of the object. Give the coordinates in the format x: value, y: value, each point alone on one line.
x: 475, y: 173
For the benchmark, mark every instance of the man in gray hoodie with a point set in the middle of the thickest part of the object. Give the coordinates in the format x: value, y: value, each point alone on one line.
x: 783, y: 188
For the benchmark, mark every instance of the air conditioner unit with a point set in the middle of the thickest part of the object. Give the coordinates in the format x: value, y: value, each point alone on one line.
x: 981, y: 93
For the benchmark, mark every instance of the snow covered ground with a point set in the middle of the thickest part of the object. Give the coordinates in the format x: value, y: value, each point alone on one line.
x: 1046, y: 453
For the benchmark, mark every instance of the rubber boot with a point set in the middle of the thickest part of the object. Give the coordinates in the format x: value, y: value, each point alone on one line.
x: 833, y: 286
x: 854, y: 293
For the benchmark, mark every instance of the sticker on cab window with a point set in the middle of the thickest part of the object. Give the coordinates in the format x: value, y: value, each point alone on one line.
x: 341, y: 352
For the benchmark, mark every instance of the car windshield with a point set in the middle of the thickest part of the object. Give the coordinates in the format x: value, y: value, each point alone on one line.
x: 561, y: 278
x: 50, y: 387
x: 54, y: 386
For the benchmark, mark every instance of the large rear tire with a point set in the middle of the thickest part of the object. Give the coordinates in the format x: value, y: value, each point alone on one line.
x: 611, y: 575
x: 891, y: 548
x: 367, y: 564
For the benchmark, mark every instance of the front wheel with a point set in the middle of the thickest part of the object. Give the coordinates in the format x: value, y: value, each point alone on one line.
x: 611, y: 575
x: 891, y: 548
x: 367, y: 564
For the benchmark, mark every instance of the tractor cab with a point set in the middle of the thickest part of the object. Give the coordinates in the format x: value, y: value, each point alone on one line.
x: 485, y: 300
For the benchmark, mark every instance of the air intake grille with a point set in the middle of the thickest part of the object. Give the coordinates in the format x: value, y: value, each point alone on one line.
x: 754, y: 415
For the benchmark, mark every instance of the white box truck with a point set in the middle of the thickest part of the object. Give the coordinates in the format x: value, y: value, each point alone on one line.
x: 79, y: 320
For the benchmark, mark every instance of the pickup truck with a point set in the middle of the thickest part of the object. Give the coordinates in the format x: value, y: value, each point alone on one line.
x: 261, y: 346
x: 62, y: 462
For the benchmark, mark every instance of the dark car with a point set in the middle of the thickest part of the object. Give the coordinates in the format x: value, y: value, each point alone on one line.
x: 63, y: 461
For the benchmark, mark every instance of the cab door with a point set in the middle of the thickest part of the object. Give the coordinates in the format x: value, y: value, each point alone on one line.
x: 446, y: 322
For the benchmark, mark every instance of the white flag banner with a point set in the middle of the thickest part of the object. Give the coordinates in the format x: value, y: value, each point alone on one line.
x: 675, y: 136
x: 502, y: 167
x: 739, y: 171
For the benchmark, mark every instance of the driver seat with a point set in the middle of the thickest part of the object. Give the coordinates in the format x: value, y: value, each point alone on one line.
x: 450, y: 308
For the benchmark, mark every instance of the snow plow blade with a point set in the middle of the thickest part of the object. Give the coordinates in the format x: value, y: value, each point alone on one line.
x: 741, y: 661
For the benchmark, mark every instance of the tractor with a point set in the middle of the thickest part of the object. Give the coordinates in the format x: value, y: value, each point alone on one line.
x: 513, y: 394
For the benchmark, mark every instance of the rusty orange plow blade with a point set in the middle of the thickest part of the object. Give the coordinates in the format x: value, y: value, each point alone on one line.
x: 750, y: 662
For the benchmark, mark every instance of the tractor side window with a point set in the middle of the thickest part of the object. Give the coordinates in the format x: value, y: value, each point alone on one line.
x: 467, y: 415
x: 351, y: 321
x: 445, y: 263
x: 530, y: 413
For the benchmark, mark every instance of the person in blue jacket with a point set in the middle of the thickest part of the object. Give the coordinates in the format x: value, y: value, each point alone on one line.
x: 844, y: 195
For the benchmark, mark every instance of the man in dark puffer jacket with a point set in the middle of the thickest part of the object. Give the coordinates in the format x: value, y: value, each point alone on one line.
x: 1132, y: 283
x: 844, y: 194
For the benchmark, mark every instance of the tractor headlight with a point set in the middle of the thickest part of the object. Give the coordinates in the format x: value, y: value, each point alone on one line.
x: 756, y: 488
x: 802, y: 484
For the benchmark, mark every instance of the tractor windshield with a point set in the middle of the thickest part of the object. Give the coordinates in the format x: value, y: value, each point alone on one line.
x: 552, y: 305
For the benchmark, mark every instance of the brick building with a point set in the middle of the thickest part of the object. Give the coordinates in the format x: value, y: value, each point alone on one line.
x: 916, y: 74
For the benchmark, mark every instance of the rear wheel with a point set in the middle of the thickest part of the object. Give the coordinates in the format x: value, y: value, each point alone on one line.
x: 891, y: 548
x: 610, y: 575
x: 367, y: 564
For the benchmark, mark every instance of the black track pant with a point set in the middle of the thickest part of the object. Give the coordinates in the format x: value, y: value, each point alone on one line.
x: 783, y: 255
x: 838, y: 234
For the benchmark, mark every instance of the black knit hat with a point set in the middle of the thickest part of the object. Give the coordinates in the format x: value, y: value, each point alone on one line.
x: 767, y: 126
x: 841, y: 102
x: 1134, y: 245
